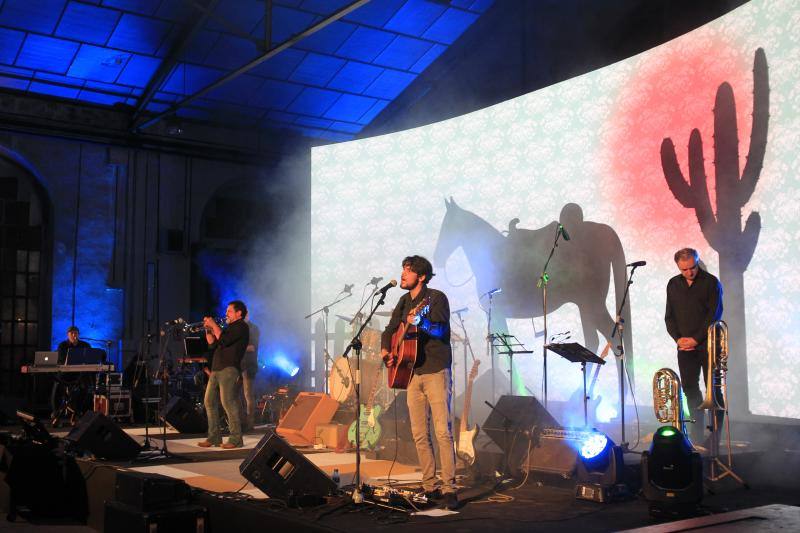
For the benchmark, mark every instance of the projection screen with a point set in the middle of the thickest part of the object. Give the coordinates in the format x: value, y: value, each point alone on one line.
x: 607, y: 155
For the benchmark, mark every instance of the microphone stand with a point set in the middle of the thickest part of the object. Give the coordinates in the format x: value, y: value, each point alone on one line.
x: 619, y: 328
x: 141, y: 367
x: 467, y: 346
x: 355, y: 344
x: 542, y: 284
x: 163, y: 452
x: 325, y: 354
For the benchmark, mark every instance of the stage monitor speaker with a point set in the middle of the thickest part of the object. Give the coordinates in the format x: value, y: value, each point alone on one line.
x: 515, y: 425
x: 97, y: 434
x: 282, y: 472
x: 299, y: 424
x: 181, y: 415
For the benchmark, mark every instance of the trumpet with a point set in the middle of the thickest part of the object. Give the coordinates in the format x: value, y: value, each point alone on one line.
x: 197, y: 327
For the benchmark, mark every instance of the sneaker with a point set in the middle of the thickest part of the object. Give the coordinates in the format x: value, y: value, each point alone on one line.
x: 206, y: 444
x: 450, y: 501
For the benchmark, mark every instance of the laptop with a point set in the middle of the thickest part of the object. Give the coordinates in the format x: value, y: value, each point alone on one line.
x: 45, y: 359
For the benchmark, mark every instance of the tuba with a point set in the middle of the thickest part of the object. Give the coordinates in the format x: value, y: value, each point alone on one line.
x: 668, y: 398
x: 717, y: 346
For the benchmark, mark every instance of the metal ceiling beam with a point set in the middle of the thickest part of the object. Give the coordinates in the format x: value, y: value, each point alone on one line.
x: 255, y: 62
x: 222, y: 21
x: 169, y: 63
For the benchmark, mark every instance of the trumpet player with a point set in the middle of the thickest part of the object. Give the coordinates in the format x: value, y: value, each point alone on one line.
x: 694, y: 302
x: 229, y: 346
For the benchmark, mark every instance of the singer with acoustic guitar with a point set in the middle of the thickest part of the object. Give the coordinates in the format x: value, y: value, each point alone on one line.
x: 420, y: 327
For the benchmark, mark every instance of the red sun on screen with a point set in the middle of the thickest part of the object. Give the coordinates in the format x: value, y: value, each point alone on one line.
x: 669, y: 92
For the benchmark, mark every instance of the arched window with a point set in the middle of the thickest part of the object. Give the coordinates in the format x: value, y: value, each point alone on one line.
x: 25, y: 259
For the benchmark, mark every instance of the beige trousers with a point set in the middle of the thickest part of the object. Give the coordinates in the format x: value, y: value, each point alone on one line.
x: 429, y: 397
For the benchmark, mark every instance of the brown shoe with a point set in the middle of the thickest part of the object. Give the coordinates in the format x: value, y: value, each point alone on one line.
x: 229, y: 446
x: 206, y: 444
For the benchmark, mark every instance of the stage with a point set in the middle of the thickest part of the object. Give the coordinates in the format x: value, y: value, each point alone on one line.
x: 537, y: 502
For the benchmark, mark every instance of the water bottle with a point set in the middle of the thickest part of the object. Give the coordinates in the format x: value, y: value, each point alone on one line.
x: 335, y: 477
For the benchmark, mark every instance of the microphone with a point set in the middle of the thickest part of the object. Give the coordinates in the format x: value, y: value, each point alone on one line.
x: 497, y: 290
x: 637, y: 264
x: 388, y: 286
x: 348, y: 289
x: 563, y: 231
x: 375, y: 280
x: 459, y: 311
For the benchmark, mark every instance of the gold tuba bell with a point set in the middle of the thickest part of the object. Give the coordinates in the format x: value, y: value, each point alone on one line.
x: 717, y: 346
x: 668, y: 398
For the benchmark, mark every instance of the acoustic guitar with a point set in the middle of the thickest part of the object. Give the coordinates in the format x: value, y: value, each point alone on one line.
x: 404, y: 348
x: 466, y: 436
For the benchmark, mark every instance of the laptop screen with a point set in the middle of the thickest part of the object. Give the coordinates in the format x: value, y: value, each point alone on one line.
x: 85, y: 356
x: 45, y: 358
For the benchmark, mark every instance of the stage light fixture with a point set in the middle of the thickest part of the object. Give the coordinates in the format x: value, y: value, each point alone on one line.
x: 599, y: 469
x: 672, y: 474
x: 284, y: 364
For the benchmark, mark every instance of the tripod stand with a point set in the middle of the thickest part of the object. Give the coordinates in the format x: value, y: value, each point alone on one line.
x: 163, y: 393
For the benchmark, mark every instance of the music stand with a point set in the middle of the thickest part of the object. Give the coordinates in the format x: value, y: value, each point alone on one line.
x: 575, y: 353
x: 510, y: 349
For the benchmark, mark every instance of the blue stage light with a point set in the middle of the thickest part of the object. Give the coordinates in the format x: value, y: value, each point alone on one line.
x: 283, y: 363
x: 593, y: 445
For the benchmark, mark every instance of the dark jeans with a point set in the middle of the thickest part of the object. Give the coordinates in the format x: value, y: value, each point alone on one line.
x: 689, y: 364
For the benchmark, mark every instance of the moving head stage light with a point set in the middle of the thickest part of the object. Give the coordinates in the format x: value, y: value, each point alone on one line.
x: 672, y: 474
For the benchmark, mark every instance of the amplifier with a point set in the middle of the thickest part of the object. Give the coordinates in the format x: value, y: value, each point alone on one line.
x: 332, y: 436
x: 114, y: 380
x: 114, y: 404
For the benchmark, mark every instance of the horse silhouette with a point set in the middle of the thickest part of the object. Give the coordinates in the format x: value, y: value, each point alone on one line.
x: 579, y: 269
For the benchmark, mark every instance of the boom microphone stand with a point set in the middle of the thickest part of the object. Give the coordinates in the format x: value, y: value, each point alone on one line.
x: 355, y: 344
x: 619, y: 329
x: 324, y: 310
x: 542, y: 284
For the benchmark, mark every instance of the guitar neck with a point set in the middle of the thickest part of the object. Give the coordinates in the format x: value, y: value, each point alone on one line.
x: 467, y: 402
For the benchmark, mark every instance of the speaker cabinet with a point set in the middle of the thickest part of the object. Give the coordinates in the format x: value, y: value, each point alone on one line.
x: 149, y: 492
x: 300, y: 423
x: 515, y: 425
x: 282, y: 472
x: 182, y: 415
x: 121, y: 518
x: 97, y: 434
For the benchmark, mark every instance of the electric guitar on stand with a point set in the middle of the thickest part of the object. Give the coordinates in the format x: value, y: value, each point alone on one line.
x: 370, y: 429
x: 404, y: 348
x: 466, y: 436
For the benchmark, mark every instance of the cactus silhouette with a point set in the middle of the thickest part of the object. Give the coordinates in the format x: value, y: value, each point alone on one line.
x: 722, y: 227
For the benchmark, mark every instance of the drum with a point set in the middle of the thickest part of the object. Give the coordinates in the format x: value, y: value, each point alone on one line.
x: 371, y: 341
x: 340, y: 380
